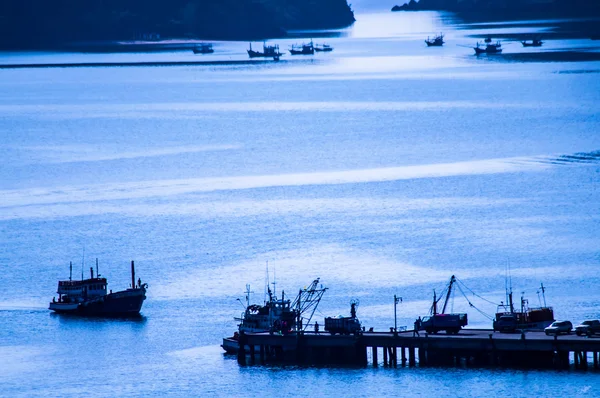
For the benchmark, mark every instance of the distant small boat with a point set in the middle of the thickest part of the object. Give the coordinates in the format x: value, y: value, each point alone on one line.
x: 323, y: 48
x: 303, y: 49
x: 488, y: 39
x: 437, y: 41
x: 490, y: 48
x: 532, y: 43
x: 203, y: 48
x: 268, y: 52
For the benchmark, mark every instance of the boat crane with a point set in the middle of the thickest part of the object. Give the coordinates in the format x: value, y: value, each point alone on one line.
x: 306, y: 301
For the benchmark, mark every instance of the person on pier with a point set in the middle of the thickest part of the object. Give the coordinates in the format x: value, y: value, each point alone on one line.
x: 417, y: 327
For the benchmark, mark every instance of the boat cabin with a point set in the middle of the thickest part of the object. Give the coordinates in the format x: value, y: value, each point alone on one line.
x: 77, y: 291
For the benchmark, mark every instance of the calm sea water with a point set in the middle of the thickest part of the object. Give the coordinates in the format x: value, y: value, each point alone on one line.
x: 383, y: 168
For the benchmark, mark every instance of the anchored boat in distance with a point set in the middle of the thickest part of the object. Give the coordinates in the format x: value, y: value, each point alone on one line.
x: 268, y: 52
x: 437, y: 41
x: 303, y: 49
x: 203, y: 48
x: 89, y: 297
x: 490, y: 48
x: 323, y: 48
x: 532, y: 43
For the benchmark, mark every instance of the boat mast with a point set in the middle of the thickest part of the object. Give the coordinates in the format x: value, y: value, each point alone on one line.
x: 267, y: 289
x: 248, y: 295
x: 452, y: 280
x: 70, y: 271
x: 543, y: 293
x: 434, y: 303
x: 97, y: 273
x: 132, y: 275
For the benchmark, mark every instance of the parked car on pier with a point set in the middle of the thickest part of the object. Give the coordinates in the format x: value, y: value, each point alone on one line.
x: 559, y: 327
x: 588, y: 327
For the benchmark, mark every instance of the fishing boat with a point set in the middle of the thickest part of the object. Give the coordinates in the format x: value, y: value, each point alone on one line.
x: 269, y: 51
x: 303, y: 49
x: 508, y: 319
x: 490, y: 48
x: 532, y: 43
x: 203, y: 48
x: 488, y: 39
x: 276, y: 315
x: 89, y: 297
x: 323, y: 48
x: 437, y: 41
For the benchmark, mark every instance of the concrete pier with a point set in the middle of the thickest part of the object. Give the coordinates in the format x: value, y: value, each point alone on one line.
x: 471, y: 347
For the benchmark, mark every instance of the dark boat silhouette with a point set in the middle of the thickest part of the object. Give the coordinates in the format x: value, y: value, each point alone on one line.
x: 88, y: 297
x: 323, y: 48
x: 488, y: 39
x: 303, y: 49
x: 437, y: 41
x: 203, y: 48
x: 490, y: 48
x: 268, y: 52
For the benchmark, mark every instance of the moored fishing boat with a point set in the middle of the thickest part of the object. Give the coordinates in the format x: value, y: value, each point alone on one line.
x: 303, y: 49
x: 269, y: 51
x: 490, y: 48
x: 89, y: 297
x: 508, y: 319
x: 281, y: 316
x: 323, y: 48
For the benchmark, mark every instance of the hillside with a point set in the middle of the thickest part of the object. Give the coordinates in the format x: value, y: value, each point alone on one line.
x: 47, y: 23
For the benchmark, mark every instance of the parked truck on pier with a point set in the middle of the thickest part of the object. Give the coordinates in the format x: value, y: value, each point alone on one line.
x: 451, y: 323
x: 436, y: 322
x: 344, y: 325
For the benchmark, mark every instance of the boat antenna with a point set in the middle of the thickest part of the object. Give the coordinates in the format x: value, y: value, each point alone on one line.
x: 248, y: 295
x: 543, y: 293
x: 70, y: 270
x: 274, y: 284
x: 266, y: 282
x: 510, y: 295
x: 82, y: 262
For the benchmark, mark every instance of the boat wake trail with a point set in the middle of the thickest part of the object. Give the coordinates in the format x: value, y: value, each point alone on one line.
x: 581, y: 157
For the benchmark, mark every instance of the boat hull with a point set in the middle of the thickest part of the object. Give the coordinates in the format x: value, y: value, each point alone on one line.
x: 479, y: 51
x: 256, y: 54
x: 531, y: 44
x: 120, y: 304
x: 302, y: 52
x: 232, y: 346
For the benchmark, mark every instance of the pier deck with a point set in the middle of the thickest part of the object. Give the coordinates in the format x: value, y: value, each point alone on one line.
x: 470, y: 346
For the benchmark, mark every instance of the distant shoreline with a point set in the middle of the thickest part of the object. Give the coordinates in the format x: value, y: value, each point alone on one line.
x: 507, y: 8
x: 133, y: 63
